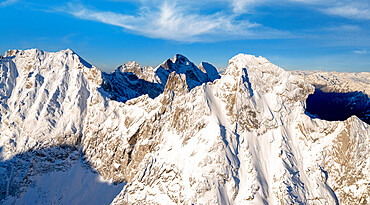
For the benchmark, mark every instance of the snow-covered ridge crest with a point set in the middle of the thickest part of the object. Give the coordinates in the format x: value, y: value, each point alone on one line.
x: 64, y: 59
x: 47, y: 91
x: 264, y: 77
x: 242, y: 60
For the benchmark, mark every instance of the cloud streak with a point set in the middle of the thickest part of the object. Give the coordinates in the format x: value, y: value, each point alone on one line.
x: 185, y: 21
x: 363, y: 51
x: 351, y: 9
x: 171, y: 21
x: 7, y: 3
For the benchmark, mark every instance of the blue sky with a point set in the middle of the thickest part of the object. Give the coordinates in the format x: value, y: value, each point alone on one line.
x: 294, y: 34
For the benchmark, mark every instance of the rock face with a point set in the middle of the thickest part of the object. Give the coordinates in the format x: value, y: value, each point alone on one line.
x: 210, y: 70
x: 176, y: 134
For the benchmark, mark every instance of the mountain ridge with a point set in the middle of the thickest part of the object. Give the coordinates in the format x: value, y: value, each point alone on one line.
x: 242, y: 138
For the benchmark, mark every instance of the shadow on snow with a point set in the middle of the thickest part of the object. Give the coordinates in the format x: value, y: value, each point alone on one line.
x: 55, y: 175
x: 338, y: 106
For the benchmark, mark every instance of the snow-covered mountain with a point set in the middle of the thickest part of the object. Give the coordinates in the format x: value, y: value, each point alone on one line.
x: 174, y: 134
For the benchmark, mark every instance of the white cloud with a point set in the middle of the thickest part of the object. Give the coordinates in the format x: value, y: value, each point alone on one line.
x: 7, y: 2
x: 363, y: 51
x: 351, y: 11
x: 244, y: 6
x: 171, y: 21
x: 348, y: 28
x: 189, y: 21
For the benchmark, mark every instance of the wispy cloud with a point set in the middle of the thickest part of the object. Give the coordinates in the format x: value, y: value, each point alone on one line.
x: 172, y: 21
x: 351, y: 11
x: 244, y: 6
x: 363, y: 51
x: 7, y: 3
x: 185, y: 21
x: 343, y: 28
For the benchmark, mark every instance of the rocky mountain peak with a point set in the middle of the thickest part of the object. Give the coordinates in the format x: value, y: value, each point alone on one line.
x: 144, y: 73
x: 180, y: 59
x: 130, y: 65
x: 247, y: 59
x: 68, y: 50
x: 181, y: 65
x: 177, y: 62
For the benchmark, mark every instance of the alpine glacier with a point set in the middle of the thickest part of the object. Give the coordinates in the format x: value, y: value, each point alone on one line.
x: 174, y: 134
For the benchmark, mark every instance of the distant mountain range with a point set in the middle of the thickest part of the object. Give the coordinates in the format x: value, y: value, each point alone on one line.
x: 179, y: 133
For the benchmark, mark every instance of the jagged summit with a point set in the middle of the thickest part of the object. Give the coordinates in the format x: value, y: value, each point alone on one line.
x: 248, y: 59
x: 180, y: 59
x: 130, y: 66
x: 249, y: 62
x: 34, y: 52
x: 145, y: 73
x: 48, y: 58
x: 181, y: 65
x: 261, y: 76
x: 137, y: 80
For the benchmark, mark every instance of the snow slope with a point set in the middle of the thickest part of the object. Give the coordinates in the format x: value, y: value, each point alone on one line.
x: 77, y: 185
x: 174, y: 134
